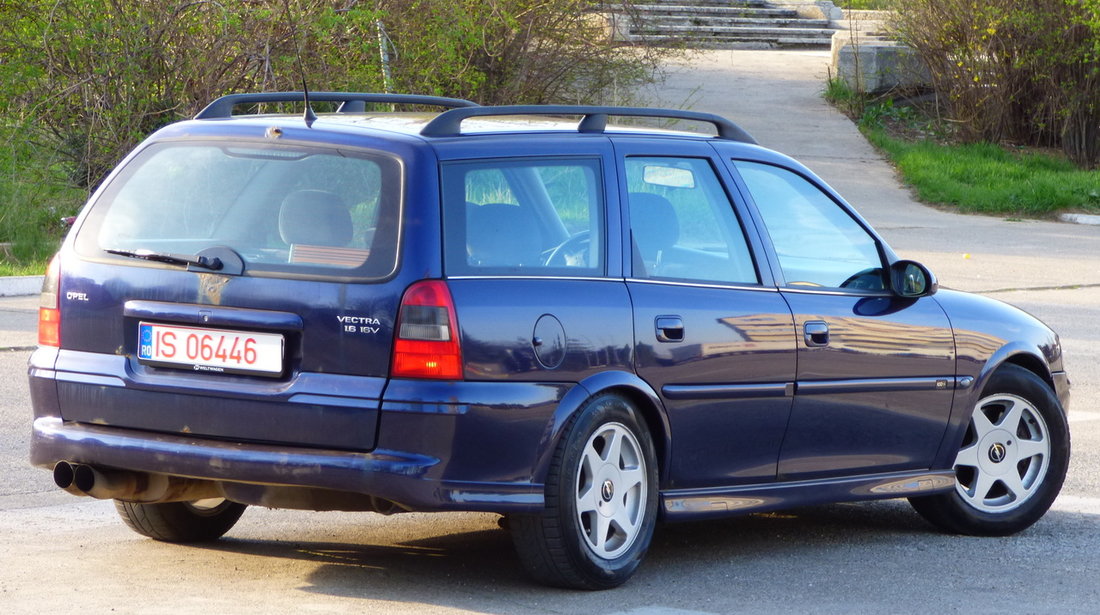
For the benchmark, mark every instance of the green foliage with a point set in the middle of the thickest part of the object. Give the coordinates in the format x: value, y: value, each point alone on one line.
x: 512, y: 51
x: 987, y: 178
x: 878, y: 114
x: 1010, y: 71
x: 34, y: 196
x: 30, y: 266
x: 867, y: 5
x: 842, y: 96
x: 85, y: 80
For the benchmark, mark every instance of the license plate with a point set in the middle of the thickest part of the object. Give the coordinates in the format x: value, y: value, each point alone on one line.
x: 211, y: 350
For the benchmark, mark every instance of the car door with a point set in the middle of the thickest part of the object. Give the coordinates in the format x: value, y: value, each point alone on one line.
x: 713, y: 336
x: 875, y: 371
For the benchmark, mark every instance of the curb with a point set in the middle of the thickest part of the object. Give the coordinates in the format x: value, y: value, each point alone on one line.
x: 1080, y: 219
x: 14, y: 286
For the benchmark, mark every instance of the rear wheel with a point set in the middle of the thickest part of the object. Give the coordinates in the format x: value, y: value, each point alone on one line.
x: 198, y: 521
x: 601, y: 501
x: 1012, y: 461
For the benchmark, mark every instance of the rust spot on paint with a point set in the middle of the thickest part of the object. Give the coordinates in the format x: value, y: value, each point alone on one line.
x: 211, y: 286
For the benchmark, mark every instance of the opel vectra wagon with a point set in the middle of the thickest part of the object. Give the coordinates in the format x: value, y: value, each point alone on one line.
x: 526, y: 310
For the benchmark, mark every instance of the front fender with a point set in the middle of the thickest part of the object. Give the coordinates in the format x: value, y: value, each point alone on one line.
x: 989, y: 334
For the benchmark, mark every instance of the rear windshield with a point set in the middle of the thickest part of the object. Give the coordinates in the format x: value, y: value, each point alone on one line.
x: 284, y: 209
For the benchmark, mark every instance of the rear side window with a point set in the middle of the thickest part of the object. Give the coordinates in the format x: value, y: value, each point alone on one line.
x: 683, y: 225
x: 525, y: 217
x: 309, y: 211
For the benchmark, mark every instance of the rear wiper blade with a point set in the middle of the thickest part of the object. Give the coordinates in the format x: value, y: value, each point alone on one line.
x: 206, y: 262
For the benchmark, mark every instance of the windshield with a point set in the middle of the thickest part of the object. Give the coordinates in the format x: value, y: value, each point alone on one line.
x: 309, y: 211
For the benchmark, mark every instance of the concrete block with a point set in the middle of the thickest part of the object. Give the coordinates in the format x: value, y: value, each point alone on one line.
x: 811, y: 9
x: 875, y: 66
x: 15, y: 286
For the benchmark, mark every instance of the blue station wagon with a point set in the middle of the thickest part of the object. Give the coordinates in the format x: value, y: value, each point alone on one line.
x: 526, y: 310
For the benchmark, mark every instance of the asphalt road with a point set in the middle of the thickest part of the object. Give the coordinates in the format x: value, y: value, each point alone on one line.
x: 62, y: 554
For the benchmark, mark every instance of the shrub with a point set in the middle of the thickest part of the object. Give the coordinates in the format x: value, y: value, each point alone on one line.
x: 100, y: 74
x: 1023, y: 71
x: 87, y: 79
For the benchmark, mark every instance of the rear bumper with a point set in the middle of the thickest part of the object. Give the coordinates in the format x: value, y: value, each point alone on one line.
x: 391, y: 475
x: 470, y: 446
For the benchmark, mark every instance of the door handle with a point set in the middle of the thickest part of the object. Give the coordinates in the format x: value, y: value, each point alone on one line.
x: 670, y: 329
x: 816, y: 332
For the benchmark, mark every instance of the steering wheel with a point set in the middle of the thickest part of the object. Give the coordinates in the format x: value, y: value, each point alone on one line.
x: 569, y: 247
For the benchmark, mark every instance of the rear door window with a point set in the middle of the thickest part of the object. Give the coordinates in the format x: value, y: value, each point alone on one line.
x: 299, y: 210
x: 682, y: 223
x: 524, y: 217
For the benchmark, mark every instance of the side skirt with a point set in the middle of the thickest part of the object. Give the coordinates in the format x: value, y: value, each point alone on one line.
x: 690, y: 504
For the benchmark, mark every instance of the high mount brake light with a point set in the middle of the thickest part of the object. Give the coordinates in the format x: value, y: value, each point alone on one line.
x: 426, y: 344
x: 49, y: 312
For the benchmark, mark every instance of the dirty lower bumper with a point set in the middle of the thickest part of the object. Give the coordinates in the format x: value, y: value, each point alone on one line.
x: 399, y: 477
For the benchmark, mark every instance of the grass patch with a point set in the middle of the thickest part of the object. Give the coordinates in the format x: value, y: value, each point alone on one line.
x: 976, y: 177
x: 987, y: 178
x: 841, y: 95
x: 36, y: 267
x: 867, y: 5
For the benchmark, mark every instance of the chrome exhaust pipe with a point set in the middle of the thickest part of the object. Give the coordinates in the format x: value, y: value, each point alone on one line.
x: 141, y: 487
x: 118, y: 485
x: 64, y: 476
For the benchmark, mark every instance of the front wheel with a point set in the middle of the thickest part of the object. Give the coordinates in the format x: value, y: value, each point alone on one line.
x: 1012, y: 461
x: 198, y: 521
x: 601, y: 501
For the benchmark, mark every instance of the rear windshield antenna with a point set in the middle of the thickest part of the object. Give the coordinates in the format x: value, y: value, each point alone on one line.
x: 309, y: 116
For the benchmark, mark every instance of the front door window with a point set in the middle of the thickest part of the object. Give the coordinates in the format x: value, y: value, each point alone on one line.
x: 818, y: 244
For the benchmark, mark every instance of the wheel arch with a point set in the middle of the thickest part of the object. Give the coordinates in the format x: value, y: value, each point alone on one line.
x: 1018, y: 355
x: 626, y: 384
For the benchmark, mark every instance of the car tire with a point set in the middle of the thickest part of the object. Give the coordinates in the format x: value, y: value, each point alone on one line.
x: 601, y: 501
x: 1011, y: 463
x: 200, y: 521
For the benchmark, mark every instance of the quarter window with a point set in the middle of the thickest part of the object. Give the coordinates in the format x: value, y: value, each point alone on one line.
x: 818, y: 243
x: 682, y: 224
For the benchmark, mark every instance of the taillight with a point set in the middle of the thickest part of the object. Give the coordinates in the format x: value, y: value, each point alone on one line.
x: 426, y: 344
x: 49, y: 312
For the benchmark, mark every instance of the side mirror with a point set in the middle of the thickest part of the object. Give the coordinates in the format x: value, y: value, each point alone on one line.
x: 911, y: 280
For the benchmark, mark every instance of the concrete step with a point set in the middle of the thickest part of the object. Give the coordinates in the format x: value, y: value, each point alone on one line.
x: 723, y: 23
x: 703, y: 4
x: 761, y: 22
x: 713, y: 11
x: 694, y: 33
x: 742, y: 42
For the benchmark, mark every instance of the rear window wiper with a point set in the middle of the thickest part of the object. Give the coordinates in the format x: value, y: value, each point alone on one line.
x: 205, y: 262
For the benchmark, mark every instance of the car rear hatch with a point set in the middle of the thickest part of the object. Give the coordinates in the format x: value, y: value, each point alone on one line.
x: 239, y: 290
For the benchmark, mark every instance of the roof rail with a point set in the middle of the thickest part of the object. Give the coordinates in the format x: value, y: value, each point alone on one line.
x: 594, y: 119
x: 352, y: 102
